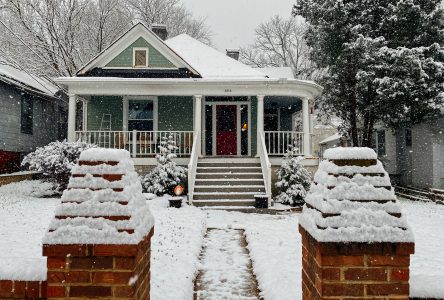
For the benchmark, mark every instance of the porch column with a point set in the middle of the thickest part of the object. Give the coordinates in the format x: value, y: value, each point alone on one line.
x: 72, y: 118
x: 306, y: 126
x: 198, y: 117
x: 85, y: 115
x: 260, y: 120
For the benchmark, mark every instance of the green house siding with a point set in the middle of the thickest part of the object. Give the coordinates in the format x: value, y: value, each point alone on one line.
x: 155, y: 58
x: 175, y: 113
x: 100, y: 105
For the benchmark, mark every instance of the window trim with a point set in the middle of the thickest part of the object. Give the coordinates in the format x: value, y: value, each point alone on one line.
x: 146, y: 58
x: 26, y: 97
x: 126, y: 100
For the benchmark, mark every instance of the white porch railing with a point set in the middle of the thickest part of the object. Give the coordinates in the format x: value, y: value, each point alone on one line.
x: 192, y: 166
x: 278, y: 142
x: 265, y: 164
x: 138, y: 143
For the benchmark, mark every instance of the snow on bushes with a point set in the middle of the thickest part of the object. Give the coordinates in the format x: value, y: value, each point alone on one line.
x: 353, y: 203
x: 293, y: 180
x: 83, y: 216
x: 56, y: 160
x: 167, y: 174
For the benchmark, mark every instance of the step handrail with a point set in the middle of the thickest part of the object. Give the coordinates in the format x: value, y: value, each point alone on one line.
x: 192, y: 166
x: 265, y: 164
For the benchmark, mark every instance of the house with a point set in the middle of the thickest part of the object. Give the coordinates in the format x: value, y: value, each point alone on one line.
x: 32, y: 114
x: 232, y: 123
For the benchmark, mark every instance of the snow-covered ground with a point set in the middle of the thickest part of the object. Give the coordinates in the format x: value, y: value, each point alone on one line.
x: 273, y: 242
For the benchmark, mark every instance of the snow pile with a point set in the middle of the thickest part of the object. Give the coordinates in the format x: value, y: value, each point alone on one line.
x: 100, y: 210
x: 353, y: 203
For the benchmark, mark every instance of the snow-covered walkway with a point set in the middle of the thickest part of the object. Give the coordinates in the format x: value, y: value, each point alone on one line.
x: 225, y: 268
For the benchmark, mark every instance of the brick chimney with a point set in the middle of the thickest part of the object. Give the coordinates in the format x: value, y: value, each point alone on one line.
x: 160, y: 30
x: 233, y: 53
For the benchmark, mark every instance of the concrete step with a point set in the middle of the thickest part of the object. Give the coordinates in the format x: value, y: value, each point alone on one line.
x: 229, y: 176
x: 224, y: 202
x: 229, y: 170
x: 219, y: 196
x: 227, y: 165
x: 229, y: 160
x: 229, y: 182
x: 229, y: 189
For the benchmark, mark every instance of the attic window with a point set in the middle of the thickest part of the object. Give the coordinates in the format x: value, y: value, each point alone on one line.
x: 140, y: 57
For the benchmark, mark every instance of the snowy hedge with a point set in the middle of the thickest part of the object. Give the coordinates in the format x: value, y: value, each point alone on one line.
x: 55, y: 160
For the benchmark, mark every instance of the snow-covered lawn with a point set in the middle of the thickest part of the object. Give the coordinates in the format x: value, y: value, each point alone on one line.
x: 273, y: 242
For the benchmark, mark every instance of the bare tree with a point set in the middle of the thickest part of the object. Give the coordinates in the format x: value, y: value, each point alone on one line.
x: 280, y: 43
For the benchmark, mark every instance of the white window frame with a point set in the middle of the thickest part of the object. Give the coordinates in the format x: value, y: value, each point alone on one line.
x: 140, y: 98
x: 146, y: 58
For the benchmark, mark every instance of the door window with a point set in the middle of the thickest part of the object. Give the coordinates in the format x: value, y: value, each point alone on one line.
x: 140, y: 115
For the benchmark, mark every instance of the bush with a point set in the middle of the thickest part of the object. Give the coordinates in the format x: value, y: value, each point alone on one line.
x: 294, y: 181
x: 166, y: 175
x: 55, y: 161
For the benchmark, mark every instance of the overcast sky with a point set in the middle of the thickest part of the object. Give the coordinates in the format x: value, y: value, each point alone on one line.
x: 233, y: 22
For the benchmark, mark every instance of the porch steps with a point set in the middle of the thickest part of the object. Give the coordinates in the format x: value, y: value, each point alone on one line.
x: 222, y: 182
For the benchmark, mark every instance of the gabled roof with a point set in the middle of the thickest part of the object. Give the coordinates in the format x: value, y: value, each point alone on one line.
x: 209, y: 62
x: 134, y: 33
x: 26, y: 80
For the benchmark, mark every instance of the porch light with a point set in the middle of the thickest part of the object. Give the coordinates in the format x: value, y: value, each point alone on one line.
x: 178, y: 190
x: 244, y: 126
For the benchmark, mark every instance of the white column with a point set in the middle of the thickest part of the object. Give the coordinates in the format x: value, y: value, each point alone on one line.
x: 85, y: 115
x: 198, y: 118
x: 72, y: 118
x: 260, y: 120
x: 306, y: 126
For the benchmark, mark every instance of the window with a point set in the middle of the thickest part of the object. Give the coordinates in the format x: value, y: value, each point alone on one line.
x: 378, y: 142
x: 408, y: 137
x: 140, y: 57
x: 141, y: 115
x: 27, y: 119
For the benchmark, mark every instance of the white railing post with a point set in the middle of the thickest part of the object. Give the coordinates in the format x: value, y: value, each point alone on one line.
x: 260, y: 119
x: 265, y: 164
x: 134, y: 144
x: 192, y: 166
x: 198, y: 118
x: 72, y: 118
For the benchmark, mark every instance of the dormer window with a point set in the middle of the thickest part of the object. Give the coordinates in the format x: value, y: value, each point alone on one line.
x: 140, y: 57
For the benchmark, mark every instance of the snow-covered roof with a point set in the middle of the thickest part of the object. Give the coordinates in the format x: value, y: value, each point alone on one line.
x: 352, y: 200
x: 209, y: 62
x: 278, y: 72
x: 332, y: 138
x: 26, y: 80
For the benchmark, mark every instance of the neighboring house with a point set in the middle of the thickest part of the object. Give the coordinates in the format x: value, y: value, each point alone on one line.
x: 222, y: 113
x: 32, y: 114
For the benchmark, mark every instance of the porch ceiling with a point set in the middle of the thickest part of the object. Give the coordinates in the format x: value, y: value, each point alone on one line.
x: 190, y: 87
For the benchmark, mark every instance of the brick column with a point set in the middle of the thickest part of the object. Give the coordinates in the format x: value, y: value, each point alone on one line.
x: 355, y: 242
x: 99, y: 244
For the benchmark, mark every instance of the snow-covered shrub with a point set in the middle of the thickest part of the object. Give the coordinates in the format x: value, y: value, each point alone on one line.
x: 294, y: 181
x: 167, y: 174
x: 55, y: 160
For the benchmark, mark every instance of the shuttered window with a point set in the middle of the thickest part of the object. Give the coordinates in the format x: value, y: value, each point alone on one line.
x: 140, y: 58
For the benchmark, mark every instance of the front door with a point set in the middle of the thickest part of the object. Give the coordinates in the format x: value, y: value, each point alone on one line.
x: 226, y: 130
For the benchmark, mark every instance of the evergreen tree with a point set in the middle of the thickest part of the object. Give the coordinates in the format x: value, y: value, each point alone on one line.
x: 294, y: 181
x: 384, y: 60
x: 167, y: 174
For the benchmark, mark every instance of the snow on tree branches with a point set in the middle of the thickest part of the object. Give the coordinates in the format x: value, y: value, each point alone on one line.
x: 167, y: 174
x: 294, y: 181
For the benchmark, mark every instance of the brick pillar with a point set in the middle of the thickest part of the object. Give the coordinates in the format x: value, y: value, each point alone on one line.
x: 355, y: 242
x: 99, y: 243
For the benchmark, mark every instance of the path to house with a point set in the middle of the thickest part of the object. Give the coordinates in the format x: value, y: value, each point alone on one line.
x: 226, y: 270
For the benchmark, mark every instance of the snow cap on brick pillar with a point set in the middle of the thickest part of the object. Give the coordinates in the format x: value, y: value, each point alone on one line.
x: 101, y: 231
x: 355, y: 239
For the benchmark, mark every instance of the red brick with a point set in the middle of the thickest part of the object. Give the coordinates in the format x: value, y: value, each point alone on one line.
x: 387, y: 289
x: 43, y: 289
x: 90, y: 291
x: 112, y: 277
x: 65, y: 250
x: 388, y: 260
x: 405, y: 248
x: 123, y: 291
x: 5, y: 288
x: 112, y: 177
x: 114, y: 250
x: 69, y: 277
x: 337, y: 289
x: 79, y: 263
x: 19, y: 289
x: 331, y: 273
x: 365, y: 274
x: 33, y: 289
x: 400, y: 275
x: 56, y: 263
x: 55, y: 291
x: 124, y: 263
x: 342, y: 260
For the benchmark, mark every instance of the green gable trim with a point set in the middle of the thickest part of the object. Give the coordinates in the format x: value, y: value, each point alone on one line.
x: 175, y: 113
x: 100, y: 105
x: 155, y: 58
